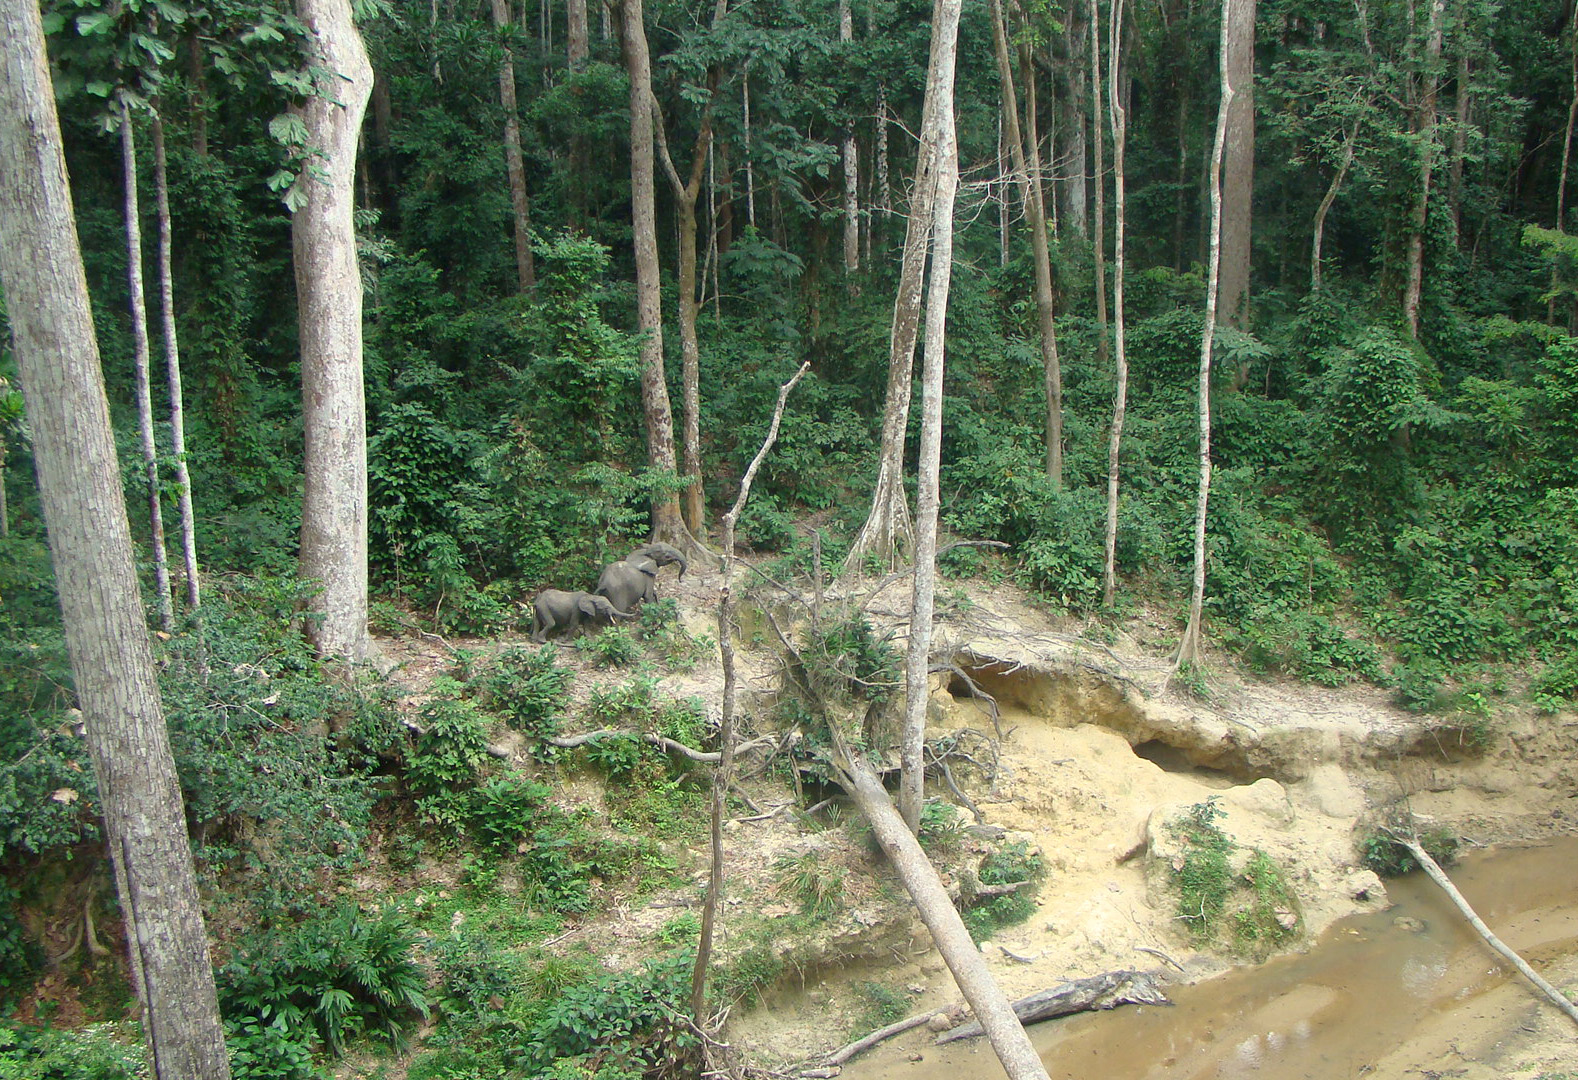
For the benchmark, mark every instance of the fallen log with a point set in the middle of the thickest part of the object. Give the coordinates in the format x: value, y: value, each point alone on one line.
x: 1105, y: 991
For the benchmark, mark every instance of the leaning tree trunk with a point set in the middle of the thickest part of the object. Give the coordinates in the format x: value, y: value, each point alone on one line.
x: 667, y: 525
x: 1035, y: 209
x: 84, y: 508
x: 1099, y: 230
x: 329, y: 307
x: 1189, y: 646
x: 141, y: 380
x: 912, y: 748
x: 1318, y: 237
x: 936, y: 910
x: 525, y: 270
x: 887, y: 536
x: 172, y: 368
x: 1119, y: 119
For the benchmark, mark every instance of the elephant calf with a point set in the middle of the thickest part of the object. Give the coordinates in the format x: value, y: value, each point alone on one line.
x: 556, y: 609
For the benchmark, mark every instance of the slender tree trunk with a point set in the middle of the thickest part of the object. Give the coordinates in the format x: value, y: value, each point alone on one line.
x: 329, y: 307
x: 172, y: 368
x: 525, y: 271
x: 1238, y: 172
x: 1028, y: 173
x: 750, y: 169
x: 846, y: 37
x: 1189, y: 646
x: 1119, y: 120
x: 991, y: 1007
x: 1181, y: 183
x: 723, y: 776
x: 1076, y: 198
x: 1319, y: 231
x: 667, y: 525
x: 199, y: 93
x: 577, y: 47
x: 1004, y: 180
x: 1099, y: 239
x: 79, y: 485
x: 1459, y: 144
x: 1425, y: 128
x: 912, y: 751
x: 141, y: 379
x: 1567, y: 148
x: 884, y: 183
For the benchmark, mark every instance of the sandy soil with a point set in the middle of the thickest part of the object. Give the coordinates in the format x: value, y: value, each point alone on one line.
x: 1097, y: 754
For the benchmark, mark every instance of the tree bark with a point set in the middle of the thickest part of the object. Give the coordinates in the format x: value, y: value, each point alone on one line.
x: 1099, y: 234
x: 667, y: 525
x: 687, y: 191
x: 172, y: 368
x: 576, y: 39
x: 936, y: 910
x: 101, y: 607
x: 329, y: 305
x: 1425, y: 129
x: 1076, y: 197
x: 1238, y: 171
x: 525, y: 270
x: 1027, y: 168
x: 847, y: 151
x: 887, y: 536
x: 1189, y: 645
x: 141, y: 379
x: 1119, y: 120
x: 912, y: 750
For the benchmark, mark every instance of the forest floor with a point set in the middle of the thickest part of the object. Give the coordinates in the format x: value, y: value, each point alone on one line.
x: 1096, y: 754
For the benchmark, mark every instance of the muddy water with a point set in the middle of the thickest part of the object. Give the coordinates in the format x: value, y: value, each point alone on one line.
x: 1380, y: 996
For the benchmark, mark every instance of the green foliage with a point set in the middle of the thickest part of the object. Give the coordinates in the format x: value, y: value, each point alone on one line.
x: 96, y: 1052
x: 452, y: 747
x: 1271, y: 918
x: 1203, y: 877
x: 941, y: 827
x: 680, y: 932
x: 1384, y: 855
x: 849, y: 660
x: 661, y: 630
x: 614, y: 647
x: 881, y: 1005
x: 631, y: 1020
x: 526, y: 688
x: 19, y: 958
x: 1006, y: 865
x: 336, y: 976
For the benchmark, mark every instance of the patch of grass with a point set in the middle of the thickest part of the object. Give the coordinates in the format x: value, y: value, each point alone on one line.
x: 941, y: 828
x: 808, y: 879
x: 1256, y: 904
x: 881, y: 1005
x: 742, y: 978
x: 614, y: 647
x: 1011, y: 863
x: 1272, y: 916
x: 682, y: 929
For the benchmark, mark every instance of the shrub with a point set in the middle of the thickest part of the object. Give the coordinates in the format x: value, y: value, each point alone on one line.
x: 613, y: 647
x: 451, y: 749
x: 96, y: 1052
x: 630, y: 1020
x: 527, y: 689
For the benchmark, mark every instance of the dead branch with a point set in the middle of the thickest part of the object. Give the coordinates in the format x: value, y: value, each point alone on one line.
x: 1105, y: 991
x: 1159, y: 955
x: 844, y: 1053
x: 1437, y: 875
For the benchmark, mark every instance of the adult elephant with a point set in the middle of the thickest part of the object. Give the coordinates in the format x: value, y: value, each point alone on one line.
x: 556, y: 609
x: 628, y: 582
x: 660, y: 553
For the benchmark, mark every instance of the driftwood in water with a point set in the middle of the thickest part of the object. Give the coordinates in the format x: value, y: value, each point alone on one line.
x: 1105, y: 991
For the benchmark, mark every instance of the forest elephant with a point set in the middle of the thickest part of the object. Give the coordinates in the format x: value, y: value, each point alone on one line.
x: 555, y: 609
x: 660, y: 553
x: 628, y: 582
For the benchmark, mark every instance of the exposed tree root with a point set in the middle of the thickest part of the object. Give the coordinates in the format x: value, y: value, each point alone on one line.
x: 1105, y: 991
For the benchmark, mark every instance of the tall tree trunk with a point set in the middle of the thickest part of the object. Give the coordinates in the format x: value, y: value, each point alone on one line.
x: 1181, y: 183
x: 687, y: 191
x: 172, y: 368
x: 1319, y: 230
x: 884, y: 183
x: 329, y: 307
x: 912, y: 749
x: 1027, y: 168
x: 750, y: 168
x: 199, y: 93
x: 525, y: 271
x: 1099, y: 238
x: 1189, y: 645
x: 141, y: 379
x: 1076, y: 197
x: 1425, y: 129
x: 79, y: 485
x: 887, y: 536
x: 1119, y: 120
x: 577, y: 48
x: 846, y: 37
x: 1459, y: 143
x: 667, y: 525
x: 1238, y: 172
x: 1567, y: 149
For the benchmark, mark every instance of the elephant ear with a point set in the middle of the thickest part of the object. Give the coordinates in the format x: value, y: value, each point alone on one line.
x: 646, y: 566
x: 588, y: 605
